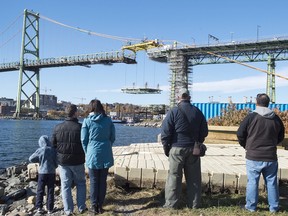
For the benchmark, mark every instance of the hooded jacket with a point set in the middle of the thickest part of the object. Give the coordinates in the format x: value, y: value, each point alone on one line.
x: 97, y: 137
x: 45, y: 156
x: 259, y: 133
x: 66, y: 139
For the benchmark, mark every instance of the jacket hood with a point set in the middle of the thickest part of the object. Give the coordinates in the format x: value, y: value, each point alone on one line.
x: 44, y: 141
x: 95, y: 116
x: 264, y: 111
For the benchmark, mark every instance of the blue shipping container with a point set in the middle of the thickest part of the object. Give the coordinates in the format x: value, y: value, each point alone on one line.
x: 211, y: 110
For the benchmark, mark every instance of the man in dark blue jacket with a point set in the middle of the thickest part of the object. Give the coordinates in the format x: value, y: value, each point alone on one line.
x: 183, y: 126
x: 259, y: 133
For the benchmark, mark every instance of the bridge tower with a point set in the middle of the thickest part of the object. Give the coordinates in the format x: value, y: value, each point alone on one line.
x: 179, y: 77
x: 270, y: 86
x: 29, y: 78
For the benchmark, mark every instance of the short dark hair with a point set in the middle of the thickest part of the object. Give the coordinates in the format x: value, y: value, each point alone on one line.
x: 263, y: 100
x: 184, y: 94
x: 96, y: 106
x: 71, y: 110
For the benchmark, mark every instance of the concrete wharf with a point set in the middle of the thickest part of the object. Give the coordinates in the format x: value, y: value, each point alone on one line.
x: 145, y: 165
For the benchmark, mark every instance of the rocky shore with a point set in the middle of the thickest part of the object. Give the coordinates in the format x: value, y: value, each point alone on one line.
x: 18, y: 188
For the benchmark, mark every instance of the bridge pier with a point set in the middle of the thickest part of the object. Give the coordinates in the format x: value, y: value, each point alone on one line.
x: 270, y: 86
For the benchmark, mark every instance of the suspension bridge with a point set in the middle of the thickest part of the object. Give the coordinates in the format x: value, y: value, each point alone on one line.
x: 181, y: 58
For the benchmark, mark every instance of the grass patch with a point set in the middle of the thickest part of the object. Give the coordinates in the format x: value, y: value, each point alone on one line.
x: 148, y: 202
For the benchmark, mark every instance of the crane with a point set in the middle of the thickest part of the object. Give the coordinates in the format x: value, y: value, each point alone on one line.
x: 45, y: 90
x: 81, y: 98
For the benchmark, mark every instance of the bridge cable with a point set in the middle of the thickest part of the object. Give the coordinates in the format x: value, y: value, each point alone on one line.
x: 126, y: 39
x: 1, y: 45
x: 246, y: 65
x: 9, y: 26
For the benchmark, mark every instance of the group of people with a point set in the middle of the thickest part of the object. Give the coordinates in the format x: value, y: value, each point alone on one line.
x: 259, y: 134
x: 183, y: 127
x: 72, y: 147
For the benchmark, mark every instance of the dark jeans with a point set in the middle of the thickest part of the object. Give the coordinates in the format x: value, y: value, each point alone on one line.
x: 98, y: 186
x: 49, y: 181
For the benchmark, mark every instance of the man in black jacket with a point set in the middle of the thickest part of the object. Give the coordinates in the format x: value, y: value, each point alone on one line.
x: 182, y: 127
x: 259, y: 133
x: 71, y: 159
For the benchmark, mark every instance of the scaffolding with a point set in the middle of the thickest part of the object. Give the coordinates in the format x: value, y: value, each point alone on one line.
x: 180, y: 76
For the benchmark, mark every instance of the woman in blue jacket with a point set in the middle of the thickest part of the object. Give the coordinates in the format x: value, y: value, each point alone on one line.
x: 97, y: 137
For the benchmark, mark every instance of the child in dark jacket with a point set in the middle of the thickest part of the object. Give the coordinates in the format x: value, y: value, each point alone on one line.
x: 46, y: 157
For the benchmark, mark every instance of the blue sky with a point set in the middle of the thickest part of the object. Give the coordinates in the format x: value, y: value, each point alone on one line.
x: 187, y: 21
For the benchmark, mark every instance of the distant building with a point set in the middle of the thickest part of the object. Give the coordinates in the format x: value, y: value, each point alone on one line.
x: 7, y: 106
x: 47, y: 102
x: 7, y: 110
x: 7, y: 102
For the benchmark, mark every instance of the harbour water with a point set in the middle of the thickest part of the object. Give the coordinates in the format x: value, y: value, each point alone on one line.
x: 19, y: 138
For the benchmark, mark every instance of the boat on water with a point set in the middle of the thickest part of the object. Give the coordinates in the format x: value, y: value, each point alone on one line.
x: 119, y: 121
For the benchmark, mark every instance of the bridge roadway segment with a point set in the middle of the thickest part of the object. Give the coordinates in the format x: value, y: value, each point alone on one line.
x: 106, y: 58
x: 242, y: 51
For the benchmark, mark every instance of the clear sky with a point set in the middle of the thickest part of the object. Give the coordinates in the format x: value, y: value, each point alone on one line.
x: 187, y: 21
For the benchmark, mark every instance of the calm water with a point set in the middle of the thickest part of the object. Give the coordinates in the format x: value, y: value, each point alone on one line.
x: 19, y: 138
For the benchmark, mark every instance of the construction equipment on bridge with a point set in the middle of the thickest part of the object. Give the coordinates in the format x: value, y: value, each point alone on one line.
x: 145, y: 90
x: 144, y: 45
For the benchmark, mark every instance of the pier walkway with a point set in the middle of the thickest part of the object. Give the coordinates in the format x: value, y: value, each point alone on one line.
x: 145, y: 165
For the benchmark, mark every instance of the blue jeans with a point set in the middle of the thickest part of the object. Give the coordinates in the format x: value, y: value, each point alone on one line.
x: 98, y: 186
x: 269, y: 171
x: 73, y: 174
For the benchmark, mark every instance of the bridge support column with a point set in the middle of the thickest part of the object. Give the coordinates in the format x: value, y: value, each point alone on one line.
x: 30, y: 80
x: 179, y: 78
x: 270, y: 86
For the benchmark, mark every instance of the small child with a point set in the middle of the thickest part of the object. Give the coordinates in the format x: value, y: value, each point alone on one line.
x: 46, y: 157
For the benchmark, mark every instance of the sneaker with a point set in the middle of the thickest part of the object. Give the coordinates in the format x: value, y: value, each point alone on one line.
x: 40, y: 211
x: 83, y: 211
x: 94, y: 209
x: 246, y: 209
x: 100, y: 210
x: 51, y: 211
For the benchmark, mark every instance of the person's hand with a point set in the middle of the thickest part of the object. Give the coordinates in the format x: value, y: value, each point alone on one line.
x: 166, y: 150
x: 203, y: 149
